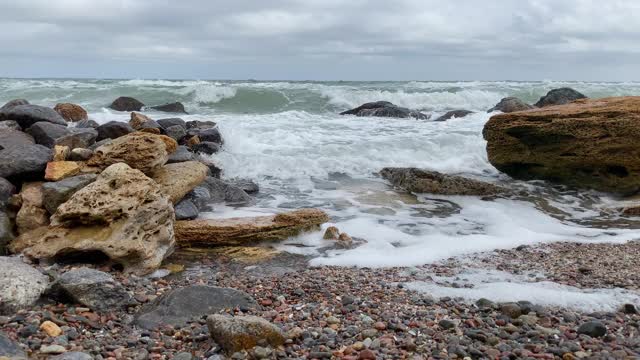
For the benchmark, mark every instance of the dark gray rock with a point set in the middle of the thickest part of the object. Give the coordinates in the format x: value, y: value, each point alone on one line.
x: 166, y: 123
x: 247, y: 185
x: 454, y: 114
x: 594, y: 329
x: 125, y: 103
x: 9, y: 125
x: 6, y: 190
x: 92, y: 288
x: 12, y: 138
x: 24, y: 162
x: 186, y: 210
x: 175, y: 132
x: 72, y: 355
x: 151, y: 124
x: 510, y: 104
x: 182, y: 154
x: 385, y: 109
x: 27, y: 115
x: 181, y: 305
x: 78, y: 138
x: 11, y: 349
x: 46, y: 133
x: 207, y: 135
x: 83, y: 124
x: 222, y: 191
x: 113, y: 130
x: 14, y: 103
x: 175, y: 107
x: 511, y: 310
x: 80, y: 154
x: 559, y: 97
x: 206, y: 147
x: 200, y: 124
x: 446, y: 324
x: 214, y: 170
x: 58, y: 192
x: 6, y: 232
x: 20, y: 285
x: 200, y: 196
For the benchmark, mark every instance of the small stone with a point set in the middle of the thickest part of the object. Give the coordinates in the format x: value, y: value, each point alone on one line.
x: 60, y: 153
x: 183, y: 356
x: 243, y: 332
x: 446, y: 324
x: 511, y: 310
x: 344, y: 237
x: 261, y: 352
x: 367, y: 355
x: 333, y: 320
x: 380, y: 326
x: 593, y: 328
x: 629, y: 309
x: 51, y: 328
x: 80, y: 154
x: 52, y: 349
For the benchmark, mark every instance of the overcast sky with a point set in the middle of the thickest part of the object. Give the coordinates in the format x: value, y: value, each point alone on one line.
x: 322, y: 39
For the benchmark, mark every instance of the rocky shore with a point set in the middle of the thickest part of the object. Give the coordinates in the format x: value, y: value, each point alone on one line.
x: 107, y: 256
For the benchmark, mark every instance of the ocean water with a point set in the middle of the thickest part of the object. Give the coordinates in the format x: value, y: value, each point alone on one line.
x: 288, y: 138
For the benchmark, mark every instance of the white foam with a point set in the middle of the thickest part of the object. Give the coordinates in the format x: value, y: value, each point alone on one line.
x: 503, y: 287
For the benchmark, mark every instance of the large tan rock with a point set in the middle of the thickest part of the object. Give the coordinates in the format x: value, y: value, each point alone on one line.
x: 58, y: 170
x: 586, y: 143
x: 71, y: 112
x: 122, y: 214
x: 143, y: 151
x: 248, y: 230
x: 32, y: 213
x: 176, y: 180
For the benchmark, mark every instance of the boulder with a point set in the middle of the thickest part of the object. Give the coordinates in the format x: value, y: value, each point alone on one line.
x: 58, y: 170
x: 200, y: 124
x: 167, y: 123
x: 6, y: 231
x: 11, y: 138
x: 32, y: 213
x: 175, y: 132
x: 94, y: 289
x: 125, y: 103
x: 78, y: 138
x: 113, y: 130
x: 432, y: 182
x: 10, y: 350
x: 46, y: 133
x: 71, y: 112
x: 175, y: 107
x: 587, y: 143
x: 23, y: 162
x: 20, y: 285
x: 246, y: 185
x: 511, y: 104
x: 200, y: 196
x: 142, y: 151
x: 13, y: 103
x: 385, y: 109
x: 6, y: 125
x: 182, y: 154
x: 185, y: 210
x: 176, y: 180
x: 559, y: 97
x: 248, y: 230
x: 27, y: 115
x: 206, y: 135
x: 221, y: 191
x: 181, y: 305
x: 123, y: 214
x: 56, y: 193
x: 206, y: 147
x: 595, y: 329
x: 80, y: 154
x: 137, y: 120
x: 85, y: 124
x: 6, y: 190
x: 239, y: 333
x: 454, y: 114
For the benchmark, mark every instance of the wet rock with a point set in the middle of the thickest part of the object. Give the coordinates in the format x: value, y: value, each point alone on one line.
x: 432, y: 182
x: 332, y: 233
x: 559, y: 97
x: 214, y: 170
x: 175, y: 107
x: 56, y: 193
x: 167, y: 123
x: 587, y: 143
x: 200, y: 124
x: 385, y: 109
x: 10, y: 349
x: 182, y: 154
x: 247, y: 185
x: 94, y: 289
x: 46, y: 133
x: 206, y: 147
x: 23, y: 162
x: 113, y: 130
x: 181, y: 305
x: 511, y: 104
x: 20, y: 285
x: 14, y: 103
x: 454, y: 114
x: 243, y: 332
x: 125, y: 103
x: 27, y: 115
x: 594, y: 329
x: 123, y: 214
x: 80, y: 154
x: 176, y: 180
x: 200, y: 196
x: 248, y: 230
x: 207, y: 135
x: 221, y: 191
x: 71, y: 112
x: 176, y: 132
x: 186, y: 210
x: 58, y: 170
x: 142, y: 151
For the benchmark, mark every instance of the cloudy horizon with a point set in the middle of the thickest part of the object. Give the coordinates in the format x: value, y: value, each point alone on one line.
x: 322, y: 39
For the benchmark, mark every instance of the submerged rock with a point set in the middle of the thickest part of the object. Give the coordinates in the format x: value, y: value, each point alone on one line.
x: 248, y: 230
x: 454, y: 114
x: 71, y: 112
x: 125, y: 103
x: 123, y: 214
x: 92, y: 288
x: 27, y: 115
x: 559, y: 97
x: 239, y: 333
x: 510, y: 104
x: 221, y: 191
x: 385, y: 109
x: 432, y: 182
x: 181, y: 305
x: 587, y: 143
x: 20, y: 285
x: 175, y: 107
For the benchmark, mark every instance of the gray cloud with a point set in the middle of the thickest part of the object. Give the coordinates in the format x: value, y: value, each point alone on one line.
x: 322, y: 39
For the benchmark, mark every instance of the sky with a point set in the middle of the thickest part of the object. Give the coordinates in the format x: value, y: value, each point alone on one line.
x: 322, y: 39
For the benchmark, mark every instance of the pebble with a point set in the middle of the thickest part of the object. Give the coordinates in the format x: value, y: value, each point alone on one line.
x: 52, y: 349
x: 50, y: 328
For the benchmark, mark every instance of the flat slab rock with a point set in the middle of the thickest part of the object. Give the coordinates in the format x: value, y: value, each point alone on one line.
x: 247, y: 230
x: 179, y: 306
x: 432, y: 182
